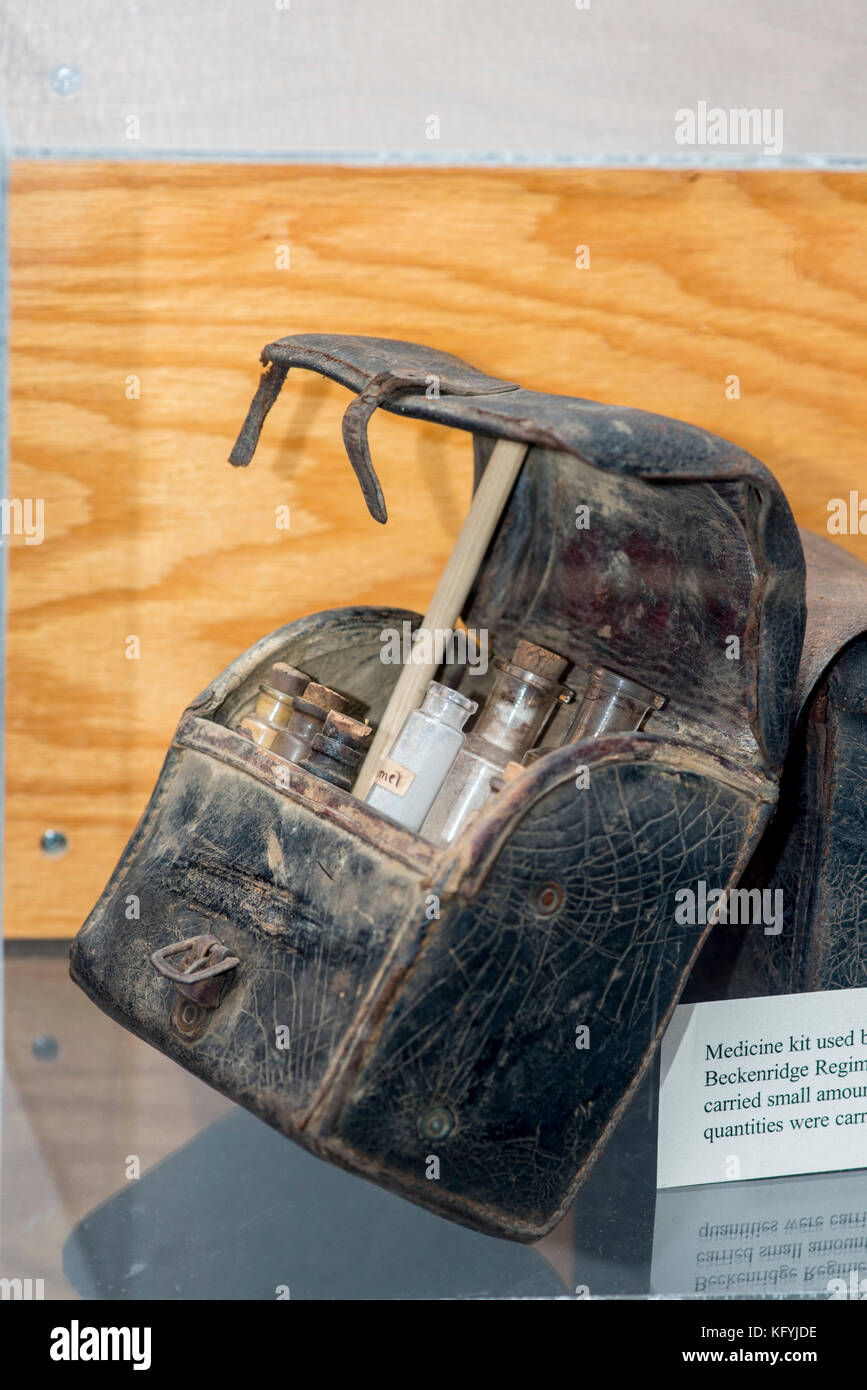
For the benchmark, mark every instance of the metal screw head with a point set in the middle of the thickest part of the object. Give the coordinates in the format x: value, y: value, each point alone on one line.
x: 53, y: 842
x: 65, y: 80
x: 436, y: 1123
x: 45, y: 1047
x: 549, y: 898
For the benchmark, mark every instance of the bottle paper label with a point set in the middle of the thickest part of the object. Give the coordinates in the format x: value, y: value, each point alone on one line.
x: 394, y: 778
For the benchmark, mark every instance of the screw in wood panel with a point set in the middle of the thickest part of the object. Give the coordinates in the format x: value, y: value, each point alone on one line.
x: 53, y: 842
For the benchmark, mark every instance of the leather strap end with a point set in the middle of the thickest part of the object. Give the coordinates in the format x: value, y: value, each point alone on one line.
x: 267, y: 392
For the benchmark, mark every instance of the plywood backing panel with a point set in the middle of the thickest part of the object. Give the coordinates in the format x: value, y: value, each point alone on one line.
x: 141, y: 296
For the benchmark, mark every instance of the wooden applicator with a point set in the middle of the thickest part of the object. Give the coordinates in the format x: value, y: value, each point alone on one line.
x: 447, y: 603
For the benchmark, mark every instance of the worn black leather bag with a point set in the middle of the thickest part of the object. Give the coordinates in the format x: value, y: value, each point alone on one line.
x: 814, y: 854
x: 491, y: 1004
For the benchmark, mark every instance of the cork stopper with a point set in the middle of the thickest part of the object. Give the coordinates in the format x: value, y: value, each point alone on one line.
x: 343, y: 729
x: 337, y: 750
x: 322, y: 696
x: 287, y: 679
x: 539, y: 660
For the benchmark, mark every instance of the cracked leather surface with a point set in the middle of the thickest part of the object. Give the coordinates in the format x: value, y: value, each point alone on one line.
x: 307, y: 907
x: 815, y: 849
x: 485, y: 1021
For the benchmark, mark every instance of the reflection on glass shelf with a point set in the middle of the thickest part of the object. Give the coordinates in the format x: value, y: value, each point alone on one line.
x: 777, y: 1237
x: 240, y: 1213
x: 226, y: 1208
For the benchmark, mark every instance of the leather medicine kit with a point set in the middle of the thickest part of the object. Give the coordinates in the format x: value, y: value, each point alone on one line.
x: 407, y: 886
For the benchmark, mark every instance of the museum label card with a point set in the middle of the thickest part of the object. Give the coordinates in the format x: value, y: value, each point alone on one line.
x: 759, y: 1088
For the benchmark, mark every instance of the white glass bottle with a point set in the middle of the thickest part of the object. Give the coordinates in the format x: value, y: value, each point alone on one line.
x: 518, y: 708
x: 410, y: 777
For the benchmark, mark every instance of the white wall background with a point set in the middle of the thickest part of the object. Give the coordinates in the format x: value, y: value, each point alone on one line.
x: 543, y: 82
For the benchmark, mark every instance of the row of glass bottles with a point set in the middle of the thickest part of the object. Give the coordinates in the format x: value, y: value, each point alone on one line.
x: 304, y: 722
x: 436, y: 778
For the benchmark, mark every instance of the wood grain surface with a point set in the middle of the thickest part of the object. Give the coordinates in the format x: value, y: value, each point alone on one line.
x: 172, y: 274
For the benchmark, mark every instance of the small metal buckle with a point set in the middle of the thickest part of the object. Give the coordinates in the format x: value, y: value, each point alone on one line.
x: 197, y: 969
x: 198, y: 980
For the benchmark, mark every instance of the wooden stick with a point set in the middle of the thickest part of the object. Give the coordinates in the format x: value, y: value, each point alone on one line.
x: 447, y: 603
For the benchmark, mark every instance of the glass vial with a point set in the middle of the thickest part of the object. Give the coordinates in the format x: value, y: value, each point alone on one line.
x: 522, y: 700
x: 420, y: 757
x: 274, y: 703
x: 309, y: 712
x: 612, y: 704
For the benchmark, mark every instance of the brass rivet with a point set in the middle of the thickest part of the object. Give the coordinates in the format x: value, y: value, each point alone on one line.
x: 549, y: 898
x: 437, y: 1123
x: 188, y: 1018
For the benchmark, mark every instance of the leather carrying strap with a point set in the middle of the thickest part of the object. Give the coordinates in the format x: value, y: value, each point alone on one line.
x: 382, y: 387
